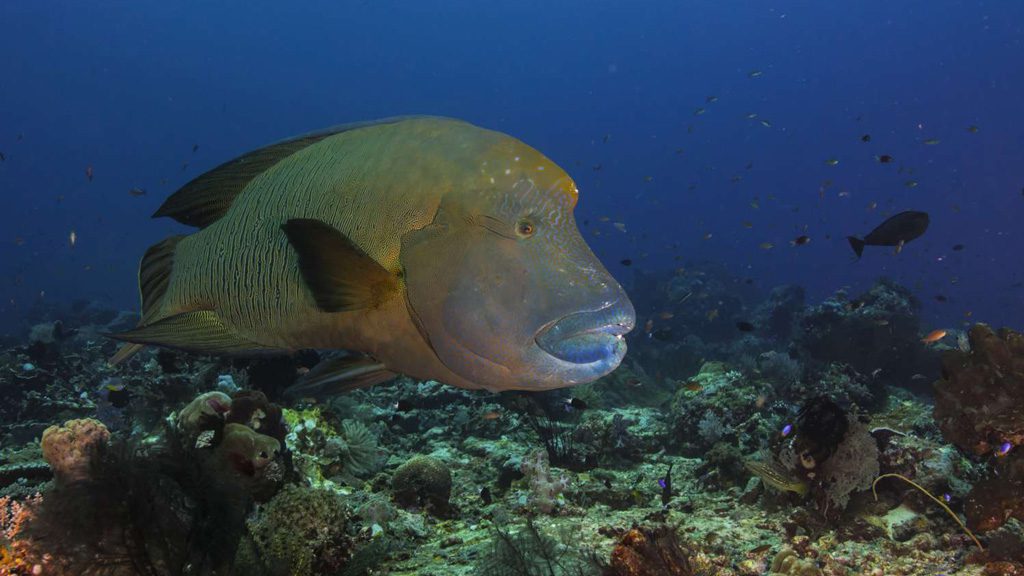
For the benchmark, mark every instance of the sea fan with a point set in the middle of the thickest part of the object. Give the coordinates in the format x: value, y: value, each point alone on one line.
x: 360, y: 448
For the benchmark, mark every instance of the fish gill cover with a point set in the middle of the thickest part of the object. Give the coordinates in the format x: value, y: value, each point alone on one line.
x: 801, y: 220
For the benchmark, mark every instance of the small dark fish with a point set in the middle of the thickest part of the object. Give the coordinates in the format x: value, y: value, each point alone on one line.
x: 761, y: 549
x: 800, y: 240
x: 626, y: 262
x: 941, y: 298
x: 865, y: 138
x: 137, y: 192
x: 88, y: 173
x: 711, y: 99
x: 195, y: 147
x: 896, y: 231
x: 485, y: 495
x: 972, y: 129
x: 958, y: 247
x: 663, y: 334
x: 745, y: 326
x: 2, y: 157
x: 403, y: 405
x: 883, y: 158
x: 575, y: 404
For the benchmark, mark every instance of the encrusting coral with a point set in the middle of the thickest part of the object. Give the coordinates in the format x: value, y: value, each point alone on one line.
x: 302, y: 532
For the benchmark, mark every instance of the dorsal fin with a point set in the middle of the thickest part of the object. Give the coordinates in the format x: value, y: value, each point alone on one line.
x: 207, y: 197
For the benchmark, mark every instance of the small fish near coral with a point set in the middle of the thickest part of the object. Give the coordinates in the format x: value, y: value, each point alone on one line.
x: 413, y: 282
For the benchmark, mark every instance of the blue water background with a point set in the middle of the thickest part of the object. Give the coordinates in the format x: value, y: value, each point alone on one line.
x: 129, y: 87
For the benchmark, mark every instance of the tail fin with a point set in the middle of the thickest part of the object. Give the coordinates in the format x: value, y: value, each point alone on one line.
x: 154, y: 276
x: 857, y: 244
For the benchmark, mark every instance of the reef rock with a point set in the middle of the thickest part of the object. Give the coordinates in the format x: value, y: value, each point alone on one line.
x: 878, y: 330
x: 979, y: 398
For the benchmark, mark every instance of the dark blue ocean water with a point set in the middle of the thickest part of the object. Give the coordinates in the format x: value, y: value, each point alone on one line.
x: 129, y: 88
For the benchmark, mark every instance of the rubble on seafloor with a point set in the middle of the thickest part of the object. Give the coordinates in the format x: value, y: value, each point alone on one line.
x: 711, y: 451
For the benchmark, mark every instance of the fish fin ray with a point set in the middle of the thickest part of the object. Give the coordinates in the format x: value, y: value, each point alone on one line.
x: 154, y: 276
x: 207, y: 197
x: 196, y: 331
x: 338, y: 375
x: 341, y: 276
x: 126, y: 351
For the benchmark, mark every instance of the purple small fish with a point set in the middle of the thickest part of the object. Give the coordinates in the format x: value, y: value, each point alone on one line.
x: 1004, y: 449
x: 661, y: 482
x: 947, y: 497
x: 786, y: 430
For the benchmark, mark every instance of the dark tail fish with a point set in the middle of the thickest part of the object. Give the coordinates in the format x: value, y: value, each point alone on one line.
x: 895, y: 231
x: 857, y: 244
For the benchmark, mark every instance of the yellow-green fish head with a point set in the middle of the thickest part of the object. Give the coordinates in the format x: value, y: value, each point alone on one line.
x: 502, y: 284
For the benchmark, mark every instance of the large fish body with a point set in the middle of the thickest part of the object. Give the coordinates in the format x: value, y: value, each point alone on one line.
x: 897, y: 230
x: 435, y: 248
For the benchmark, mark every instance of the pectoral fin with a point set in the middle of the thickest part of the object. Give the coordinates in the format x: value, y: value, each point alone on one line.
x: 198, y: 331
x: 338, y: 375
x: 341, y: 276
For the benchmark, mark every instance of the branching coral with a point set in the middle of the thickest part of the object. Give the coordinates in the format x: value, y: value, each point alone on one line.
x: 13, y: 517
x: 545, y: 491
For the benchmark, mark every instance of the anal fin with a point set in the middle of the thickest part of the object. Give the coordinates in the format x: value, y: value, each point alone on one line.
x: 197, y: 331
x: 340, y: 374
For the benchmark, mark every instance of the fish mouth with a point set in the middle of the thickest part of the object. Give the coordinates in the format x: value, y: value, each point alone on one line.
x: 589, y: 337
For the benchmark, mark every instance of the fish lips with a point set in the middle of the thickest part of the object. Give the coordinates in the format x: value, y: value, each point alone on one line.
x: 589, y: 337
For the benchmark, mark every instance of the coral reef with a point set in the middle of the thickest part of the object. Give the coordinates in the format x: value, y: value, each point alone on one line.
x: 546, y: 490
x: 877, y: 330
x: 978, y: 400
x: 71, y: 450
x: 657, y: 468
x: 646, y: 551
x: 424, y: 482
x: 302, y: 532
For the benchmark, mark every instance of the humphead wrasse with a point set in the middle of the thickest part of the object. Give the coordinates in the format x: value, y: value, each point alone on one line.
x: 430, y: 246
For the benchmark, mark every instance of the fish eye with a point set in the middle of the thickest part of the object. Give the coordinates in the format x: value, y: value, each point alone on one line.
x: 525, y: 228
